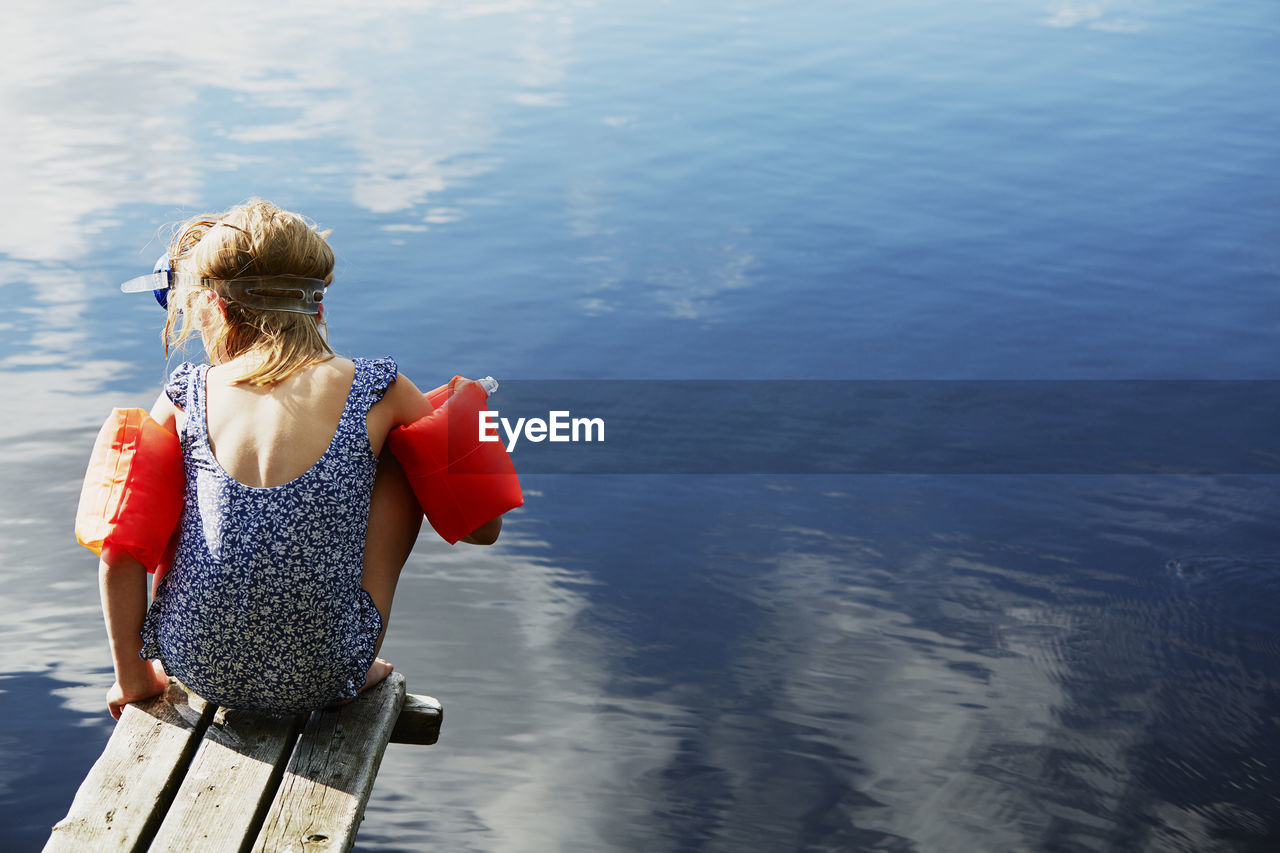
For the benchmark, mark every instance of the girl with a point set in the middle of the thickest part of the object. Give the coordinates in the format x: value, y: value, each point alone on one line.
x: 294, y: 529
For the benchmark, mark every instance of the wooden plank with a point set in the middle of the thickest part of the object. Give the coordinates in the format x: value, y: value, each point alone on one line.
x: 230, y: 783
x: 419, y: 721
x: 322, y: 796
x: 124, y: 797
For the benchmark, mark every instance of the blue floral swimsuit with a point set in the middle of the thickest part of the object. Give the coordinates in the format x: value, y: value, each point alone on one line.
x: 262, y: 608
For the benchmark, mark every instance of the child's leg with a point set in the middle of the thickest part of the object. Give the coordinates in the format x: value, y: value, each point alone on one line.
x: 394, y: 521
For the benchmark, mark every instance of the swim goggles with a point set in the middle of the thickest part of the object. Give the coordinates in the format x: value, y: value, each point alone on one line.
x: 266, y: 292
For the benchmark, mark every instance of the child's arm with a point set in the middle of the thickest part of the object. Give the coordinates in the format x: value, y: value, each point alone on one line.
x: 408, y: 401
x: 404, y: 404
x: 165, y: 413
x: 122, y: 581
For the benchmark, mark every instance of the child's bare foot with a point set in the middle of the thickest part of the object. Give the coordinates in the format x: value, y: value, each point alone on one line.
x: 378, y: 670
x: 149, y: 680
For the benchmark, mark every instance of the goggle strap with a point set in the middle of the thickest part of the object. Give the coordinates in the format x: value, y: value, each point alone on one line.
x: 294, y: 294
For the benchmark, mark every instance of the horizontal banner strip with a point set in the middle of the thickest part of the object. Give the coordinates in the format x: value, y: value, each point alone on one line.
x: 887, y: 426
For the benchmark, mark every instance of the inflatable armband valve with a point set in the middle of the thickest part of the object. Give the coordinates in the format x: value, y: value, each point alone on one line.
x: 460, y: 481
x: 132, y: 494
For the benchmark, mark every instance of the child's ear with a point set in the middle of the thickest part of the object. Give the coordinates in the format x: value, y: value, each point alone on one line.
x: 209, y: 305
x: 213, y: 300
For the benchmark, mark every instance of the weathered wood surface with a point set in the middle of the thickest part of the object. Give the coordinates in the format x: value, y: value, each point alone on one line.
x: 419, y: 721
x: 177, y: 777
x: 230, y: 783
x: 121, y: 801
x: 322, y: 796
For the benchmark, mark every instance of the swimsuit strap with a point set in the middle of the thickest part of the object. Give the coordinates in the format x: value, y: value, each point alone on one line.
x: 197, y: 413
x: 179, y: 384
x: 373, y: 377
x: 178, y: 390
x: 368, y: 385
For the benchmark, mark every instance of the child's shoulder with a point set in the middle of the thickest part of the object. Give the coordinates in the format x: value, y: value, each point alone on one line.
x: 178, y: 384
x: 375, y: 375
x: 383, y: 369
x: 402, y: 399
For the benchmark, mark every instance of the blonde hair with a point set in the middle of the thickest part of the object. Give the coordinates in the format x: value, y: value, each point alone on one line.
x: 251, y: 239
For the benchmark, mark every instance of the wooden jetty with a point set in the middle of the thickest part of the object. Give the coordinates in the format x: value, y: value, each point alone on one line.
x: 181, y: 774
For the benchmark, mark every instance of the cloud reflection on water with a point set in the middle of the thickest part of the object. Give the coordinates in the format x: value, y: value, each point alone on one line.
x: 1095, y: 16
x: 124, y: 104
x: 533, y: 753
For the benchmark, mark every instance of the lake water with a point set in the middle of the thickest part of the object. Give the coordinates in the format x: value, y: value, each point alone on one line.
x: 553, y: 191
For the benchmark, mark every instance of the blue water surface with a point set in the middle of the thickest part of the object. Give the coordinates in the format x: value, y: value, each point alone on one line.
x: 546, y: 190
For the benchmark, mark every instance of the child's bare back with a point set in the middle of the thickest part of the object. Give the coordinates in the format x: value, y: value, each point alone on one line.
x: 266, y: 436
